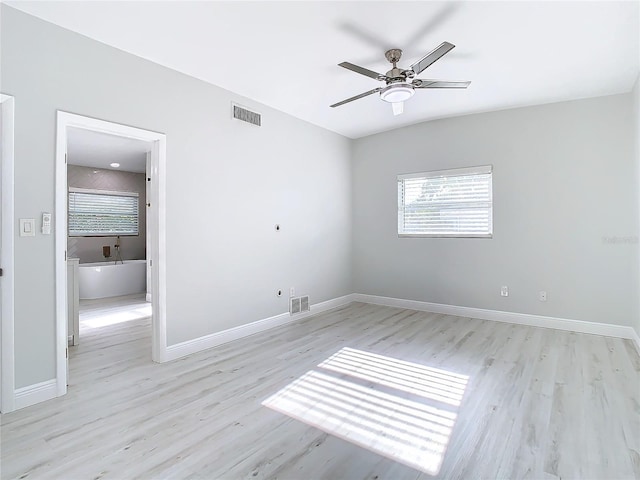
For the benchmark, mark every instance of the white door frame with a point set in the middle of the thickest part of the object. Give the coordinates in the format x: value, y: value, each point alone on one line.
x: 7, y: 372
x: 157, y: 217
x: 149, y: 224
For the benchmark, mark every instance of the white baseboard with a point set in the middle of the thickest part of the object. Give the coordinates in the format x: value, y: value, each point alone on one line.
x: 636, y: 340
x: 208, y: 341
x: 36, y: 393
x: 509, y: 317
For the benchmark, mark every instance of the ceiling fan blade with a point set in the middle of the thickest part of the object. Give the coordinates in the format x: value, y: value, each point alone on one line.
x: 440, y: 84
x: 362, y: 71
x: 431, y: 57
x: 434, y: 22
x: 356, y: 97
x: 367, y: 37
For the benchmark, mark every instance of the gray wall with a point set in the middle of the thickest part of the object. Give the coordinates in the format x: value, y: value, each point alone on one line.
x: 228, y: 184
x: 565, y: 212
x: 89, y: 249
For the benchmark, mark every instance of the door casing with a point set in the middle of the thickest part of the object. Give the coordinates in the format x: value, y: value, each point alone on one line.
x: 7, y: 371
x: 157, y: 231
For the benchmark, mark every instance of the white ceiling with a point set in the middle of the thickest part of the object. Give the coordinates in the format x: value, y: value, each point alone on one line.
x: 285, y: 54
x: 95, y: 149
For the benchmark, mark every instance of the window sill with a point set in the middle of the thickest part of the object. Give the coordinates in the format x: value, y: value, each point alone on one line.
x: 443, y: 235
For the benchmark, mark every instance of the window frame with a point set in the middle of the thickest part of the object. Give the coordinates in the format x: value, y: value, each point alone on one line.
x: 113, y: 193
x: 466, y: 171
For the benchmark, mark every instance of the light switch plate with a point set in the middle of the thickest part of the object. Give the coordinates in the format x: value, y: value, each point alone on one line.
x: 27, y: 227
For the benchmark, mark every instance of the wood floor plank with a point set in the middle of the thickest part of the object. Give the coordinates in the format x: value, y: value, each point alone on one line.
x: 514, y: 402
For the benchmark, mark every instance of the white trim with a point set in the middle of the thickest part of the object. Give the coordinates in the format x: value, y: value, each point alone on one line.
x: 149, y: 228
x: 157, y: 254
x: 208, y: 341
x: 635, y: 338
x: 445, y: 235
x: 60, y: 250
x: 455, y: 172
x: 7, y: 373
x: 36, y: 393
x: 189, y: 347
x: 104, y: 192
x: 158, y: 219
x: 579, y: 326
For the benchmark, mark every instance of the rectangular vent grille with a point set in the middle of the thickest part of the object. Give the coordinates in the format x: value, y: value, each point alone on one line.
x: 299, y: 304
x: 241, y: 113
x: 294, y: 306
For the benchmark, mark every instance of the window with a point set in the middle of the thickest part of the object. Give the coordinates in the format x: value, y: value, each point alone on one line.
x: 446, y: 203
x: 98, y: 213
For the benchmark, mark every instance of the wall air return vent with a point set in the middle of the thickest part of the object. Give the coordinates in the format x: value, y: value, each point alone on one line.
x: 304, y: 303
x: 299, y: 304
x: 243, y: 114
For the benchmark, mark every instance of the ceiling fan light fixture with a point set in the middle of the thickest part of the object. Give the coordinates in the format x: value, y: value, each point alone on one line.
x: 397, y: 92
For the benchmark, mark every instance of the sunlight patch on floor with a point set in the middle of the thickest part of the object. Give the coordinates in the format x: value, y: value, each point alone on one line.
x: 405, y: 376
x: 114, y: 316
x: 401, y: 410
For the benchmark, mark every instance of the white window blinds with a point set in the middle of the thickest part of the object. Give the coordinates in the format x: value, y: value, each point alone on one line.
x: 96, y: 213
x: 446, y: 203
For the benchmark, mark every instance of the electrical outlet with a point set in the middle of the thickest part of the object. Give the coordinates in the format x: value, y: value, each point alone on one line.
x: 542, y: 296
x: 292, y: 291
x: 504, y: 291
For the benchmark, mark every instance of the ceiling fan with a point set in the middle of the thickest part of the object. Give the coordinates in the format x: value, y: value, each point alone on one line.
x: 401, y: 83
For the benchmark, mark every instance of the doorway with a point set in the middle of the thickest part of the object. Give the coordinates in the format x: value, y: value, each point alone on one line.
x: 108, y: 180
x: 70, y: 126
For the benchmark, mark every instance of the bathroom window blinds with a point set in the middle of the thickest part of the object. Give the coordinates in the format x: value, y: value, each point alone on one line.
x: 446, y: 203
x: 97, y: 213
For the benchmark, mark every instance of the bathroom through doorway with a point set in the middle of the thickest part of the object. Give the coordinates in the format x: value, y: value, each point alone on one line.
x: 109, y: 237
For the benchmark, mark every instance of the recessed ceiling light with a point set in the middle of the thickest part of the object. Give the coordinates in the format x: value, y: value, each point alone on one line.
x: 114, y: 164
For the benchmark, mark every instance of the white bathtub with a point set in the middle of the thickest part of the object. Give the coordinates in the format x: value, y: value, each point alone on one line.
x: 105, y: 279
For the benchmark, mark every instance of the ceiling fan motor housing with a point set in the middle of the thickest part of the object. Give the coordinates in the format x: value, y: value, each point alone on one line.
x: 396, y: 74
x: 393, y: 55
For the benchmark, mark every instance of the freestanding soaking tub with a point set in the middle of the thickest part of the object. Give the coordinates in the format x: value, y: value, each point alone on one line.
x: 106, y: 279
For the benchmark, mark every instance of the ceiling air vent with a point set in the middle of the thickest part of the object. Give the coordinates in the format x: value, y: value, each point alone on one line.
x: 241, y: 113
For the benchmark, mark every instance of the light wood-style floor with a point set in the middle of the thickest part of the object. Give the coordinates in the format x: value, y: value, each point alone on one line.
x: 357, y: 392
